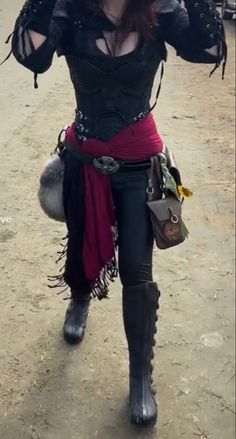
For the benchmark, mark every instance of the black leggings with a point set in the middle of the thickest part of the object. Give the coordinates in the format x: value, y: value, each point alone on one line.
x: 135, y: 237
x: 134, y: 227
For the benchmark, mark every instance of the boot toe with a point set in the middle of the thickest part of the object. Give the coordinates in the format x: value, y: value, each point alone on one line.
x: 75, y: 320
x: 72, y: 334
x: 144, y: 409
x: 146, y: 416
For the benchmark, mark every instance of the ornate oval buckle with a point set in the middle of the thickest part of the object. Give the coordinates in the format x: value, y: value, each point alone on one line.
x: 105, y: 165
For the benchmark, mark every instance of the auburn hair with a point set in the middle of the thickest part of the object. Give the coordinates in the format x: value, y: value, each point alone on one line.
x: 139, y: 16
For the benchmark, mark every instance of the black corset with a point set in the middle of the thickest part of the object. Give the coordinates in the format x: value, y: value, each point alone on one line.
x: 106, y: 125
x: 110, y: 96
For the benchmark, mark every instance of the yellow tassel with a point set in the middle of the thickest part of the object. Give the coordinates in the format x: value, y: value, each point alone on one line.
x: 185, y: 192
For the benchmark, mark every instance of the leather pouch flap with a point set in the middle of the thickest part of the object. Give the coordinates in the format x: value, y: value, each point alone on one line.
x: 165, y: 208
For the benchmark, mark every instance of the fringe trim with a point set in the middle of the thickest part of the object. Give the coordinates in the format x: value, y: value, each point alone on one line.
x: 59, y: 279
x: 99, y: 288
x: 222, y: 49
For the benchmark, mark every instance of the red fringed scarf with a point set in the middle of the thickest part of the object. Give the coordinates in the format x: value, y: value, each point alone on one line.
x: 137, y: 142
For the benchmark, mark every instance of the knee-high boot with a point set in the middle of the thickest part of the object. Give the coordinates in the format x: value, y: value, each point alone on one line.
x: 140, y: 305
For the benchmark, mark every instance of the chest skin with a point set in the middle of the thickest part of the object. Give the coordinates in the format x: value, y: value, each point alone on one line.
x: 89, y: 66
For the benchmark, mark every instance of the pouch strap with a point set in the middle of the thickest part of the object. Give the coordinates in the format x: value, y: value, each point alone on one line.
x: 154, y: 175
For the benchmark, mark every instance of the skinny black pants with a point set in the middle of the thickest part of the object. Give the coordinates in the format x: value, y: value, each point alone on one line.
x: 135, y: 242
x: 135, y: 236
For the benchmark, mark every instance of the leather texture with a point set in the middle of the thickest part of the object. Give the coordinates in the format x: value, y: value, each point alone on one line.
x: 166, y: 222
x: 110, y: 91
x: 140, y: 304
x: 165, y: 208
x: 76, y: 319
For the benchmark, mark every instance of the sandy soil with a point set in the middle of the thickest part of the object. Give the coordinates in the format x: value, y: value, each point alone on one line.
x: 51, y: 391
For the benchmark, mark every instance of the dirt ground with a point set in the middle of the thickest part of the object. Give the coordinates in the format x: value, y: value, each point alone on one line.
x: 49, y: 390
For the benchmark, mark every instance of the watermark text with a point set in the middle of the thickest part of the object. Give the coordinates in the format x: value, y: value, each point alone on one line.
x: 5, y: 220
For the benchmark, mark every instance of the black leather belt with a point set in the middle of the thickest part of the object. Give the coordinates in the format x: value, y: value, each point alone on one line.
x: 105, y: 164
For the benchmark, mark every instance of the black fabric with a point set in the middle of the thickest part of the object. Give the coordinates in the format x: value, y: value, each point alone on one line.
x: 72, y: 273
x: 73, y: 200
x: 206, y: 21
x: 203, y: 29
x: 112, y: 94
x: 135, y: 238
x: 110, y: 91
x: 40, y: 60
x: 68, y: 26
x: 41, y: 12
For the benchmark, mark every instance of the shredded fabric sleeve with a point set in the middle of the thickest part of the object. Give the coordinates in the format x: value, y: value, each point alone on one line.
x: 49, y: 19
x: 38, y: 60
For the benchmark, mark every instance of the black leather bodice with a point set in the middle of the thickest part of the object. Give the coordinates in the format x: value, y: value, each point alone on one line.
x: 111, y: 92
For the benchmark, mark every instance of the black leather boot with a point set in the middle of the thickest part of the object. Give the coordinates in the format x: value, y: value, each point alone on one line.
x: 140, y: 304
x: 76, y: 319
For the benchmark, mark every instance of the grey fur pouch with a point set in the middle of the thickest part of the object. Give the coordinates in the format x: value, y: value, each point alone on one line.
x: 50, y: 192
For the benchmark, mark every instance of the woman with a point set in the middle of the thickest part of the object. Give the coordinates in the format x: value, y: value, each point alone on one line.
x: 113, y: 49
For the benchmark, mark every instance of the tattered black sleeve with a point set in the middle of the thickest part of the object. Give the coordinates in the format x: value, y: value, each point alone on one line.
x: 38, y: 60
x: 50, y: 21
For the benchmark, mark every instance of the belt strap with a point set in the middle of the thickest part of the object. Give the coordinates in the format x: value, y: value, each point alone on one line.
x: 106, y: 165
x: 154, y: 189
x: 80, y: 155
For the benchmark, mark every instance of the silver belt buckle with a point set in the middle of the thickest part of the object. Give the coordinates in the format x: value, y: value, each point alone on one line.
x: 106, y: 165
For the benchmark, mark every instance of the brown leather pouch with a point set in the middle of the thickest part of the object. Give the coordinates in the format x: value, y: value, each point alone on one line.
x: 165, y: 210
